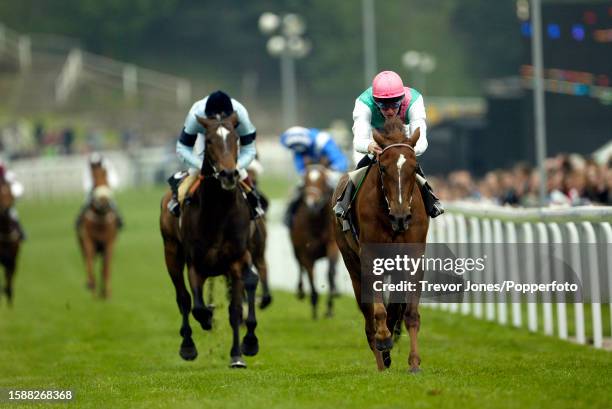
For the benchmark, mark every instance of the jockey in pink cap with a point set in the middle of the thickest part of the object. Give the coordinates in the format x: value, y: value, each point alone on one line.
x: 387, y: 98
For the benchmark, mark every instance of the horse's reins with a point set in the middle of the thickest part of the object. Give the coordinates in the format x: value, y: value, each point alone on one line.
x: 380, y: 174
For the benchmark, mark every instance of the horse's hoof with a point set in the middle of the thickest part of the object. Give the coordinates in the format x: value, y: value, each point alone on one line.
x: 237, y: 362
x: 416, y: 370
x: 204, y: 317
x: 386, y: 356
x: 250, y: 345
x: 300, y: 294
x: 385, y: 344
x: 188, y: 350
x: 266, y: 300
x: 329, y: 314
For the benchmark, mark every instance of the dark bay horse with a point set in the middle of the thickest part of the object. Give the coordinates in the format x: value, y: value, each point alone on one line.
x: 312, y: 234
x: 9, y: 239
x: 97, y: 229
x: 212, y: 238
x: 388, y: 209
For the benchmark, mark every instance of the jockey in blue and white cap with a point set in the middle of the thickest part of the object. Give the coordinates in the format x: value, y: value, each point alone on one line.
x: 311, y: 145
x: 190, y: 144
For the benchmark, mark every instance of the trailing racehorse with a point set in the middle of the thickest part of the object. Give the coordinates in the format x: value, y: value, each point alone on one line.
x: 213, y: 238
x: 97, y: 228
x: 312, y: 233
x: 10, y: 239
x: 388, y: 208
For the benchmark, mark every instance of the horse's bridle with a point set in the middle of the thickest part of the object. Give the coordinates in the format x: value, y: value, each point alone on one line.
x: 215, y: 173
x: 380, y: 174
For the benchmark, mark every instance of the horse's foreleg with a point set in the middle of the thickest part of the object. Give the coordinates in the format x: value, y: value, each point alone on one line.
x: 250, y: 344
x: 89, y: 253
x: 367, y: 310
x: 175, y: 263
x: 235, y: 313
x: 314, y: 295
x: 332, y: 258
x: 106, y: 272
x: 300, y: 286
x: 201, y: 312
x: 384, y: 342
x: 412, y: 319
x: 262, y: 269
x: 9, y: 272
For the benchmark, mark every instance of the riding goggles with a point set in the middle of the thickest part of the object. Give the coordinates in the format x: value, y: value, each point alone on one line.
x: 382, y: 104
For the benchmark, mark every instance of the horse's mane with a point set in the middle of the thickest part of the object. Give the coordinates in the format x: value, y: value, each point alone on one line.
x: 393, y: 131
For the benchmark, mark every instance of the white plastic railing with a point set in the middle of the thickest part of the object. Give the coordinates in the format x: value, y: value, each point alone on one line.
x: 482, y: 226
x: 15, y: 47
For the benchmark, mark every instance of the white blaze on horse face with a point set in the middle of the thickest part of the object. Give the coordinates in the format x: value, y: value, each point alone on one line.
x: 400, y: 163
x: 223, y: 132
x: 314, y: 175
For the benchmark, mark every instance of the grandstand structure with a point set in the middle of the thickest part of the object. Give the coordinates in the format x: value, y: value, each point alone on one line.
x: 49, y: 74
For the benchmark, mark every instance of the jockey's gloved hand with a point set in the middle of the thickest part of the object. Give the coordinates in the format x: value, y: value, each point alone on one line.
x: 242, y: 173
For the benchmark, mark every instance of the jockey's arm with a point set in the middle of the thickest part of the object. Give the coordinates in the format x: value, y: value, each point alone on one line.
x: 298, y: 161
x: 417, y: 117
x: 247, y: 151
x: 337, y: 160
x: 184, y: 150
x: 362, y: 128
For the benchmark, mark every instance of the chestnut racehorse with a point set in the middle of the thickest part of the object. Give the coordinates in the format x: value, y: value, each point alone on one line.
x: 97, y: 231
x: 388, y: 208
x: 9, y: 239
x: 213, y: 238
x: 312, y: 233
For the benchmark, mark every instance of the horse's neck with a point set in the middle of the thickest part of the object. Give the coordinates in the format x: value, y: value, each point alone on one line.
x: 99, y: 178
x: 215, y: 201
x: 5, y: 221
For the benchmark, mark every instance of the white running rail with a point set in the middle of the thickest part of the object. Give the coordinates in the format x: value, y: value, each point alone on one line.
x: 562, y: 229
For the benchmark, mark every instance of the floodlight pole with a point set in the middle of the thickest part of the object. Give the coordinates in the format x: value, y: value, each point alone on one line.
x: 369, y: 41
x: 538, y: 94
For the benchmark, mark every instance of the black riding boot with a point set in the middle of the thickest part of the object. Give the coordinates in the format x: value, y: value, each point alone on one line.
x: 432, y: 203
x: 255, y: 201
x: 342, y: 205
x: 174, y: 181
x: 291, y: 208
x: 118, y: 215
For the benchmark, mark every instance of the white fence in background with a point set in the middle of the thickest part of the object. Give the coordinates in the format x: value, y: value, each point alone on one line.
x: 131, y: 80
x: 15, y: 47
x: 480, y: 225
x: 49, y: 177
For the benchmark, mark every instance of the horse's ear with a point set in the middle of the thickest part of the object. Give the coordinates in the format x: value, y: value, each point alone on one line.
x: 378, y: 138
x: 205, y: 122
x: 414, y: 137
x: 233, y: 119
x: 307, y: 160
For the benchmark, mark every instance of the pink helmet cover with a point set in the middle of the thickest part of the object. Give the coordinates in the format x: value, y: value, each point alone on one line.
x: 387, y: 84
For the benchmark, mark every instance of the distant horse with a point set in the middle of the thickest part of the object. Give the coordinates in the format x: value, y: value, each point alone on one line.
x: 312, y: 234
x: 388, y: 209
x: 97, y: 230
x: 9, y: 239
x: 212, y: 238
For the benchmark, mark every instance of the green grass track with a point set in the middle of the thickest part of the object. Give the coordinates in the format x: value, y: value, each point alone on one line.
x: 123, y: 353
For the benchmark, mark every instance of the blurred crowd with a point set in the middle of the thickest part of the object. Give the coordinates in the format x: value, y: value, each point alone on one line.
x: 572, y: 180
x: 24, y: 139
